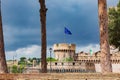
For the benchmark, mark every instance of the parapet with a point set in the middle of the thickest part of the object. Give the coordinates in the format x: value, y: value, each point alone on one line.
x: 64, y: 46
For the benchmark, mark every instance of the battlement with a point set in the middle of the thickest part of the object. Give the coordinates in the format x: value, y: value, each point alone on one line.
x: 95, y: 57
x: 64, y: 46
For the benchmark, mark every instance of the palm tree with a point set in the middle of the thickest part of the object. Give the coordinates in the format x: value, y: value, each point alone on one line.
x: 43, y: 11
x: 3, y: 65
x: 104, y: 44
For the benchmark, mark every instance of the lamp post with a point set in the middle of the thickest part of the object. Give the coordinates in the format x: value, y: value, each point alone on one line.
x: 50, y: 49
x: 13, y: 59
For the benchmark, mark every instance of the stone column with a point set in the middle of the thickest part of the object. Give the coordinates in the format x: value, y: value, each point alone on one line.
x: 3, y: 65
x: 34, y: 63
x: 104, y: 43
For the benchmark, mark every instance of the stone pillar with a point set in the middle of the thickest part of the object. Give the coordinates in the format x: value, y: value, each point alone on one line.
x: 34, y: 63
x: 104, y: 43
x: 3, y: 65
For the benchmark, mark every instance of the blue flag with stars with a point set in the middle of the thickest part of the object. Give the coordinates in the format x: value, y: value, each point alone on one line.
x: 67, y: 31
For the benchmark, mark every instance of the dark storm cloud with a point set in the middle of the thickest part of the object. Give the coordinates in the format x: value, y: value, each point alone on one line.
x: 21, y: 19
x: 81, y: 20
x: 21, y: 22
x: 81, y: 17
x: 21, y: 13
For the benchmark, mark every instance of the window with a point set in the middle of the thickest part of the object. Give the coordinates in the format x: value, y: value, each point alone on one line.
x: 56, y: 64
x: 73, y: 63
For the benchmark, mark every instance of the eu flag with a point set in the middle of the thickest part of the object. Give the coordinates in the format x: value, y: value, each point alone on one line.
x: 67, y: 31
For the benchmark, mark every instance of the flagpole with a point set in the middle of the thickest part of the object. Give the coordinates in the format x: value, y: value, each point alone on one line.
x: 64, y: 38
x: 64, y: 35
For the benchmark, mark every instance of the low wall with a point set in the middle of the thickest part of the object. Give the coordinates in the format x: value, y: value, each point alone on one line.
x: 61, y: 76
x: 115, y: 68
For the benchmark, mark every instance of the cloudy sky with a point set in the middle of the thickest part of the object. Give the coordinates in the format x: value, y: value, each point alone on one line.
x: 21, y: 25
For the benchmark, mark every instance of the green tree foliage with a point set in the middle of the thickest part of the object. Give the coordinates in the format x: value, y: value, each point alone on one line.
x: 68, y: 59
x: 114, y: 26
x: 17, y: 69
x: 30, y: 59
x: 14, y: 69
x: 34, y: 58
x: 21, y: 68
x: 22, y: 61
x: 51, y: 59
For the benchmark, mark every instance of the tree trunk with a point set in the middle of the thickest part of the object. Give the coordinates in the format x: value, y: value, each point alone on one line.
x: 3, y: 65
x: 43, y: 11
x: 104, y: 44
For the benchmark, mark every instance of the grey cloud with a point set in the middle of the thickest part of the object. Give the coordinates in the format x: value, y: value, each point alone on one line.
x: 23, y: 21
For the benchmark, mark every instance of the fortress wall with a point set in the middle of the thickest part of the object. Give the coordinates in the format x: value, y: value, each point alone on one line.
x: 71, y: 65
x: 64, y: 65
x: 115, y: 68
x: 97, y: 68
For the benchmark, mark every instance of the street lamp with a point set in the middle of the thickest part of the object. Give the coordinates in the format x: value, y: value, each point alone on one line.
x: 50, y: 49
x: 13, y: 59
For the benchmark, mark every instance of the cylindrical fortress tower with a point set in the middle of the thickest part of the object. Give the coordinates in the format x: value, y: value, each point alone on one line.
x: 63, y: 51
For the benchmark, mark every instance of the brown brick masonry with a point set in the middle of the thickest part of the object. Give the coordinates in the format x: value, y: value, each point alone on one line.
x: 60, y: 76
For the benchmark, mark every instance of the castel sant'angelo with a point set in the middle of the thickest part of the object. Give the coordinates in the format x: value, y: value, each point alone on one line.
x: 63, y: 51
x: 81, y: 60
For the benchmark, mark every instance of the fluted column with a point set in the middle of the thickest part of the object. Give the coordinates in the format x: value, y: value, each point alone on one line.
x: 3, y: 65
x: 104, y: 44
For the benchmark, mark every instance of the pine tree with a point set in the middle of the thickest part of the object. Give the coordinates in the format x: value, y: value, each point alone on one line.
x: 43, y: 11
x: 114, y: 26
x: 3, y: 65
x: 104, y: 42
